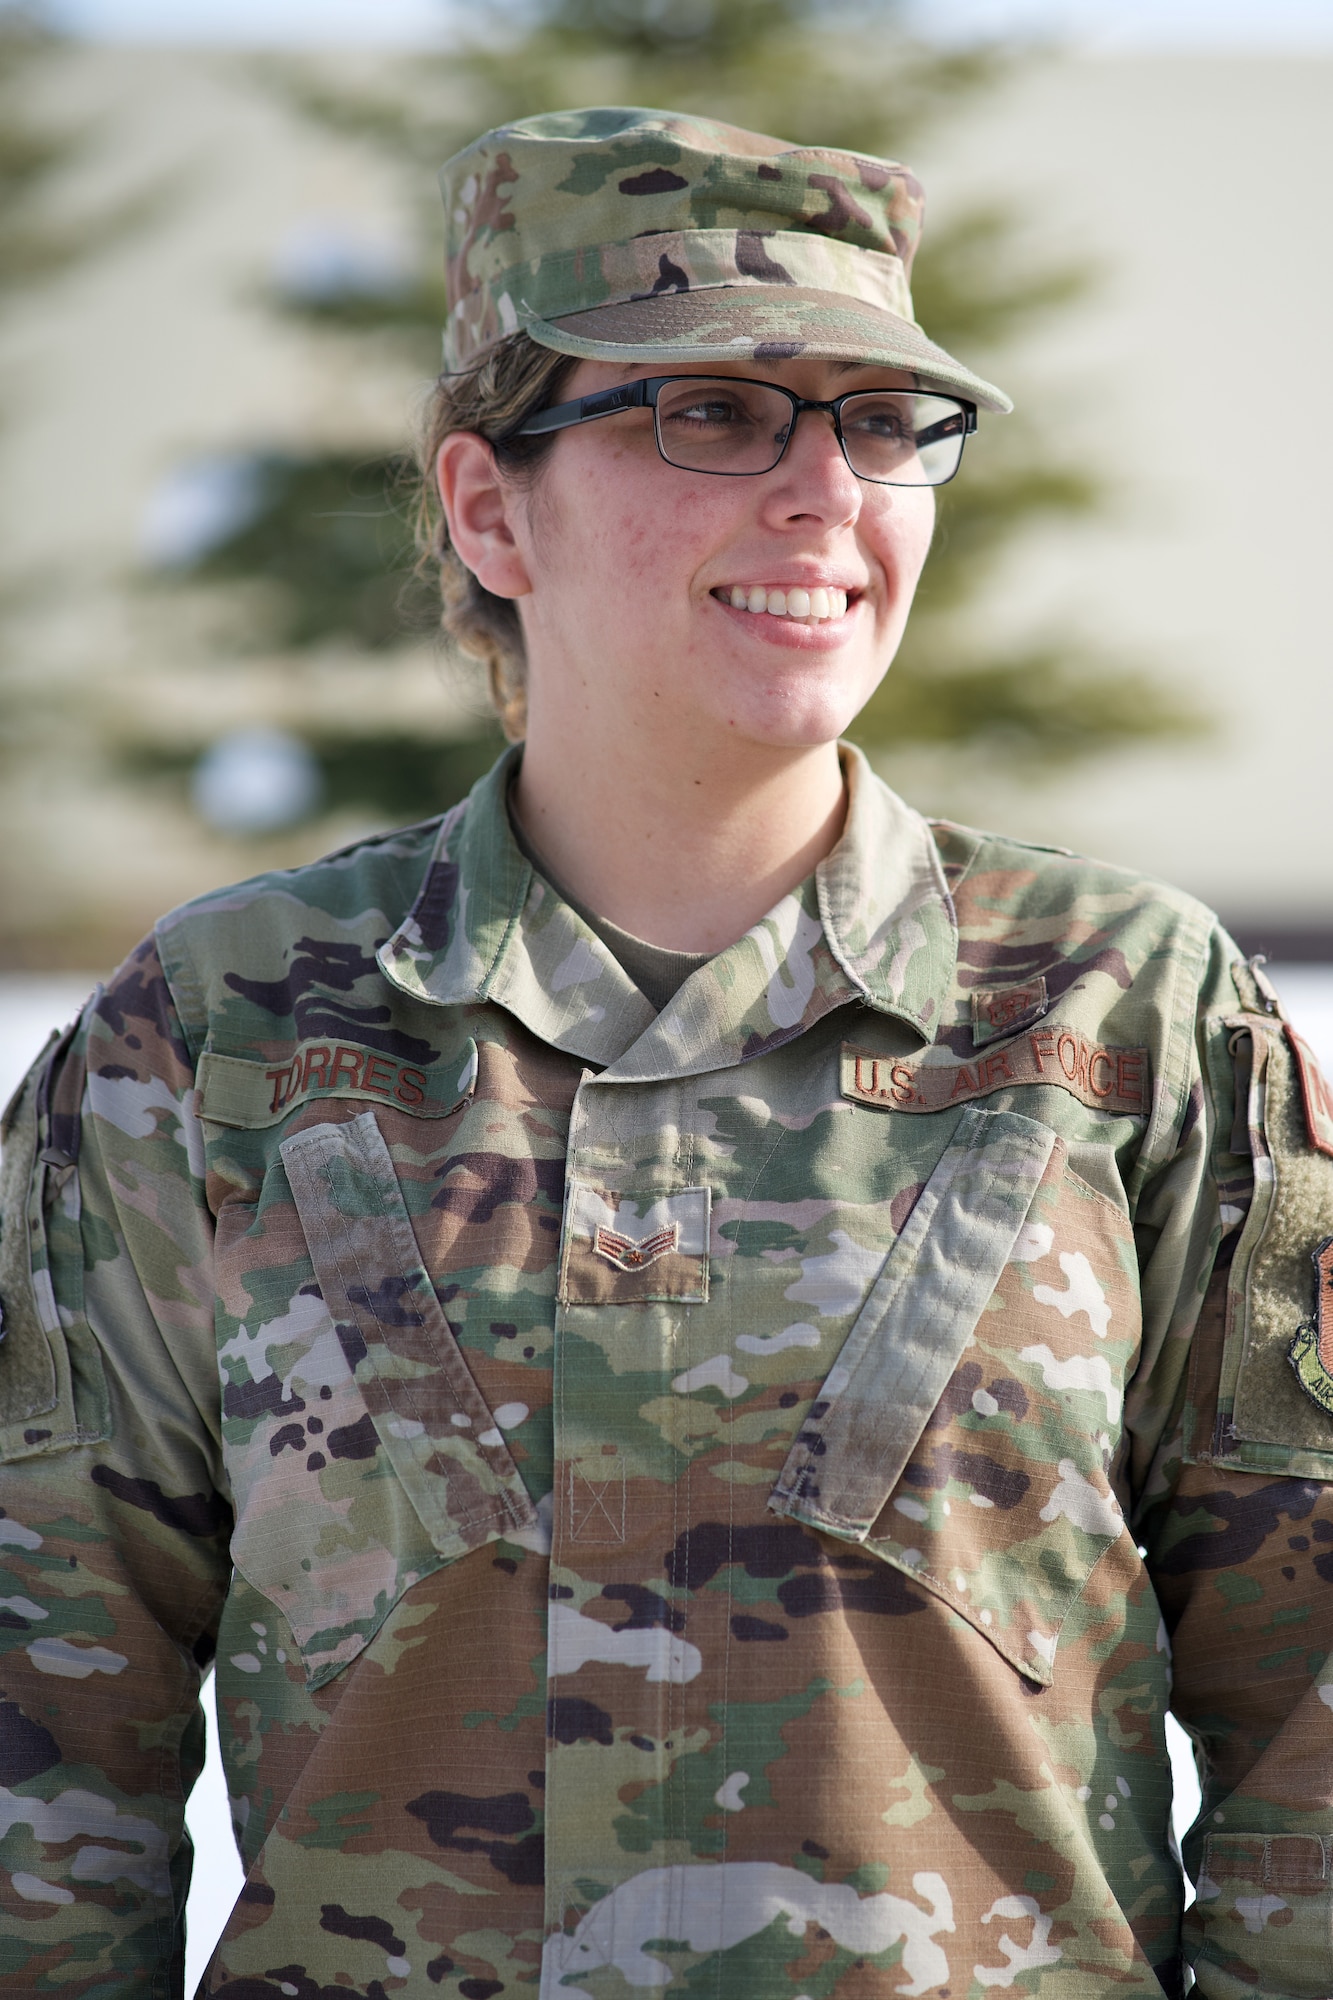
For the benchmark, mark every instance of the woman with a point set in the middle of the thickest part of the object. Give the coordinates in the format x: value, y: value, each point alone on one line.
x: 720, y: 1325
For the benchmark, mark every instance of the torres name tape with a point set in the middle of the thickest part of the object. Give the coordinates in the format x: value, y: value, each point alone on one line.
x: 234, y: 1090
x: 1107, y: 1079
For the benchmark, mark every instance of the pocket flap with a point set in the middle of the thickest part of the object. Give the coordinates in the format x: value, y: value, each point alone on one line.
x: 361, y: 1452
x: 52, y: 1387
x: 1265, y: 1900
x: 436, y: 1429
x: 911, y: 1333
x: 1275, y: 1409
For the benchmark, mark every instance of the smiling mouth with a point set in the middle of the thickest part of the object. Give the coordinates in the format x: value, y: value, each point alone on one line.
x: 809, y: 607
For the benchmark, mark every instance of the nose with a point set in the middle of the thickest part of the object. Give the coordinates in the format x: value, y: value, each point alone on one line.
x: 813, y: 478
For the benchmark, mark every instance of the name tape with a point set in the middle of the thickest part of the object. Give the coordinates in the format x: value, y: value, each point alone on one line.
x: 236, y: 1091
x: 1105, y: 1078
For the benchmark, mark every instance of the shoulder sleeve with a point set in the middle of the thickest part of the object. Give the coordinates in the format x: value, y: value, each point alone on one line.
x: 114, y: 1520
x: 1237, y: 1516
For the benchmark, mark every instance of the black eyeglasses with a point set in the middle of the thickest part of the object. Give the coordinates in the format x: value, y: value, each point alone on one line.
x: 736, y: 428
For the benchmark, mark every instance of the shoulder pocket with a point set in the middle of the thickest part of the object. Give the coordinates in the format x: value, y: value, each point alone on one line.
x: 965, y: 1434
x: 52, y: 1389
x: 1275, y: 1400
x: 372, y: 1459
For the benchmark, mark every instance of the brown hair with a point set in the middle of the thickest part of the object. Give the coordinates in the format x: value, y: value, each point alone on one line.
x: 513, y: 379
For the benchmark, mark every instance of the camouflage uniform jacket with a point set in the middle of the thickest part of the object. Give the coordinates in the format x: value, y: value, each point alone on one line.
x: 702, y: 1502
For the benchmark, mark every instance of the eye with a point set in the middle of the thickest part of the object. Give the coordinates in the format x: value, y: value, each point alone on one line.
x: 886, y: 423
x: 708, y: 412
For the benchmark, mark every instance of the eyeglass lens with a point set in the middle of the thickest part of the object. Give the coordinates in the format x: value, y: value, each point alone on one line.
x: 895, y: 437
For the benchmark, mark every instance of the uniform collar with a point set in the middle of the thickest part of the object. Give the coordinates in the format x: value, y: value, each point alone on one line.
x: 875, y: 925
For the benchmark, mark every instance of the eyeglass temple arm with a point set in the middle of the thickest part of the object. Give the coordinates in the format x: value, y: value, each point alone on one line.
x: 943, y: 425
x: 629, y: 396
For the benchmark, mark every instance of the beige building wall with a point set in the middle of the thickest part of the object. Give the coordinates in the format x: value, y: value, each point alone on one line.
x: 162, y: 351
x: 1194, y: 375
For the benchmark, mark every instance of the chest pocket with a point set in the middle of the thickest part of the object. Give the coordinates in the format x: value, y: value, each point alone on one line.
x: 965, y: 1434
x: 375, y: 1458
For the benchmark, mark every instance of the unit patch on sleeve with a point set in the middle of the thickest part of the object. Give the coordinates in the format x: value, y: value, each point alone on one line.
x: 1312, y: 1349
x: 1105, y: 1078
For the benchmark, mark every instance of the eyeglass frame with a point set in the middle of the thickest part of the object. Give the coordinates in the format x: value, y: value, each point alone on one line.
x: 643, y: 394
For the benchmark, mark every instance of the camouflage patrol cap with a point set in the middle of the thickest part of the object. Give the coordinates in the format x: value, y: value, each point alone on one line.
x: 619, y: 234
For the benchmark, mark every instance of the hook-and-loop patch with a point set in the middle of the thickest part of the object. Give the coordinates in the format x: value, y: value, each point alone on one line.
x: 634, y: 1248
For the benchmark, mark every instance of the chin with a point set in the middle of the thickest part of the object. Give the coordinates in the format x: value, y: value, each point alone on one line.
x: 802, y: 717
x: 809, y: 730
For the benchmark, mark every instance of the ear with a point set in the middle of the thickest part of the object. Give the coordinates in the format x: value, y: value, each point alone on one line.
x: 481, y: 508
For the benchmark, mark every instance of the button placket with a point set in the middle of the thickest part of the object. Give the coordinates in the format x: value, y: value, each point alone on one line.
x: 610, y: 1671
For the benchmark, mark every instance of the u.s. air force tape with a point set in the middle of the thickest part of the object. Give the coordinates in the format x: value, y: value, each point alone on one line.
x: 1105, y: 1078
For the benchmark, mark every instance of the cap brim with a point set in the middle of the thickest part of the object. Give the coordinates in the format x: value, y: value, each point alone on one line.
x: 761, y: 323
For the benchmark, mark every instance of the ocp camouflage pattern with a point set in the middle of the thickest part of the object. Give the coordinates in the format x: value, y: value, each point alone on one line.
x: 623, y: 233
x: 668, y: 1520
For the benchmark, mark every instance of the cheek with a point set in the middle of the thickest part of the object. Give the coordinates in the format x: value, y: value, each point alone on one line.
x: 917, y: 527
x: 898, y: 541
x: 616, y: 516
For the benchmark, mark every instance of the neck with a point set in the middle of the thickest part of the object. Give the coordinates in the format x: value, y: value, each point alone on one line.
x: 684, y: 851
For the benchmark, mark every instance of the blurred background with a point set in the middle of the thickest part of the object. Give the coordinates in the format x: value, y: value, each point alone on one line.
x: 220, y: 305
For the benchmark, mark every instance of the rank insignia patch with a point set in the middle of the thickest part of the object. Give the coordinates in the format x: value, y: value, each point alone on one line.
x: 624, y: 1249
x: 627, y: 1254
x: 1312, y: 1349
x: 1007, y: 1008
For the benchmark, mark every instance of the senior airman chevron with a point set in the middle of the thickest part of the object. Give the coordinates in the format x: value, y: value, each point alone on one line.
x: 1102, y: 1077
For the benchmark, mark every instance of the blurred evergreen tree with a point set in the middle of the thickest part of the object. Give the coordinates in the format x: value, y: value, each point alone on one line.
x: 326, y: 537
x: 40, y: 239
x: 34, y: 151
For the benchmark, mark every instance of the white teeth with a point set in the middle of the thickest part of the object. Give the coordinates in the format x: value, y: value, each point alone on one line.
x: 794, y: 603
